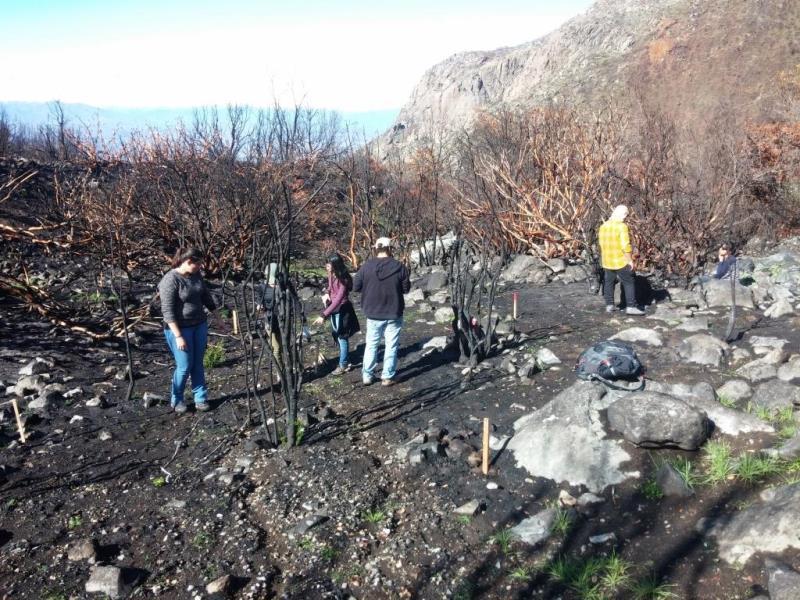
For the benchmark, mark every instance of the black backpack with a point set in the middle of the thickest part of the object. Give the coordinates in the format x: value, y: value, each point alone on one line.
x: 610, y: 360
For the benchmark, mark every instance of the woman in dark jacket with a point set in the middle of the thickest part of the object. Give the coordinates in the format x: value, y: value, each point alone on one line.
x: 338, y: 307
x: 184, y: 298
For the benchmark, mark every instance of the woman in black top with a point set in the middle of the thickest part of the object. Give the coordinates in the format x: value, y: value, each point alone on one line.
x: 184, y: 298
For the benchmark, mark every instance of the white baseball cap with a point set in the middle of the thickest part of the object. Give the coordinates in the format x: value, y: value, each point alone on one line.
x: 383, y: 242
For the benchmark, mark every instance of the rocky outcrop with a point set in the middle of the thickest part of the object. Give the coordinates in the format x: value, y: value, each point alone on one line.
x: 662, y: 48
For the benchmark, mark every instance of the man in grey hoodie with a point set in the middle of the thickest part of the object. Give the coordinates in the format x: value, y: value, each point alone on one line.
x: 382, y: 282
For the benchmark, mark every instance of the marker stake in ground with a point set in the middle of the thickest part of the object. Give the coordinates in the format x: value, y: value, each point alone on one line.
x: 485, y: 456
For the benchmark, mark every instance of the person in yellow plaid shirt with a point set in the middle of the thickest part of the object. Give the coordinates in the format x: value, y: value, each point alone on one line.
x: 617, y: 260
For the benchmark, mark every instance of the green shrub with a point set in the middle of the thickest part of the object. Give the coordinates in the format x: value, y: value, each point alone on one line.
x: 214, y: 356
x: 651, y: 490
x: 718, y: 461
x: 751, y: 468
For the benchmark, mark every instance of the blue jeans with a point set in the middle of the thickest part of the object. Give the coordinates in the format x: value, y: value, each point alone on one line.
x: 389, y: 329
x: 344, y: 344
x: 189, y: 363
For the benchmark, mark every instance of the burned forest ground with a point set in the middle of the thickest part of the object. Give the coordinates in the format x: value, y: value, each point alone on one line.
x: 177, y: 502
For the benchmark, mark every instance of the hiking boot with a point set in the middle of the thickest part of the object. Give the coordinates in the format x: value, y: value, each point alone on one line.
x: 610, y: 308
x: 202, y: 406
x: 387, y: 382
x: 341, y: 370
x: 632, y: 310
x: 367, y: 380
x: 180, y: 408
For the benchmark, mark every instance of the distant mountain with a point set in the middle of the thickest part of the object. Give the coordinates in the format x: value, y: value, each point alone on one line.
x: 119, y: 122
x: 686, y: 56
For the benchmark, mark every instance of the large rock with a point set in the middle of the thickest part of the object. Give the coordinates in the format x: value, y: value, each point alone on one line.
x: 538, y: 277
x: 735, y: 390
x: 667, y: 311
x: 791, y: 370
x: 414, y: 296
x: 783, y: 582
x: 789, y: 450
x: 433, y: 249
x: 639, y: 334
x: 444, y: 315
x: 520, y: 268
x: 765, y: 344
x: 565, y: 440
x: 768, y: 526
x: 693, y: 324
x: 776, y: 394
x: 703, y: 349
x: 781, y: 308
x: 762, y: 368
x: 437, y: 280
x: 717, y: 292
x: 671, y: 483
x: 575, y: 273
x: 558, y: 265
x: 702, y: 396
x: 655, y: 420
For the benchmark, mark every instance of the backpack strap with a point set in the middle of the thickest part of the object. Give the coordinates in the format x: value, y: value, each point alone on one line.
x: 613, y: 386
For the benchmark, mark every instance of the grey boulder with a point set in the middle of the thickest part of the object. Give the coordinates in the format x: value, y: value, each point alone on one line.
x: 656, y: 420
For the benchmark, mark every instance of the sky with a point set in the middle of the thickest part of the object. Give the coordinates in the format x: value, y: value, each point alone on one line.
x: 347, y: 55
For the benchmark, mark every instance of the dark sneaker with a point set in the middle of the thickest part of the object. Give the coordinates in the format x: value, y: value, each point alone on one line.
x: 632, y: 310
x: 179, y: 408
x: 202, y: 406
x: 387, y: 382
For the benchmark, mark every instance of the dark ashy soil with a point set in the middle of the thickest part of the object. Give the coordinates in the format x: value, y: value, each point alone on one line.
x: 226, y: 502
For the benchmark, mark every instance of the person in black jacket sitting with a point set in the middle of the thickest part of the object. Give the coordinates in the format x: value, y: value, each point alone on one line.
x: 726, y: 260
x: 382, y: 281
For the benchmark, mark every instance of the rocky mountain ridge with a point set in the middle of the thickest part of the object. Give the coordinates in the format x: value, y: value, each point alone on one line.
x: 687, y: 56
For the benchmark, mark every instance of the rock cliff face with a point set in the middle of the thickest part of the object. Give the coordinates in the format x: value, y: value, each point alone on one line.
x: 688, y: 56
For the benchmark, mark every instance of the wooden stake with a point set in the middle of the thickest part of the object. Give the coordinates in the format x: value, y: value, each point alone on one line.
x: 235, y: 316
x: 515, y: 297
x: 20, y: 426
x: 485, y: 456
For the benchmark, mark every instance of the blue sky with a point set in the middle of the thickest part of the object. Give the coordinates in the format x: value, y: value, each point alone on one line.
x: 349, y: 55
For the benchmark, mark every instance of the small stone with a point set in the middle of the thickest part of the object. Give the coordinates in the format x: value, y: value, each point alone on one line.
x: 73, y: 393
x: 308, y: 523
x: 471, y: 508
x: 589, y: 499
x: 546, y: 359
x: 474, y: 459
x: 221, y: 585
x: 36, y: 367
x: 603, y: 538
x: 150, y: 399
x: 229, y: 477
x: 76, y: 419
x: 105, y: 436
x: 566, y: 499
x: 85, y: 549
x: 491, y: 485
x: 96, y: 402
x: 457, y: 448
x: 105, y: 580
